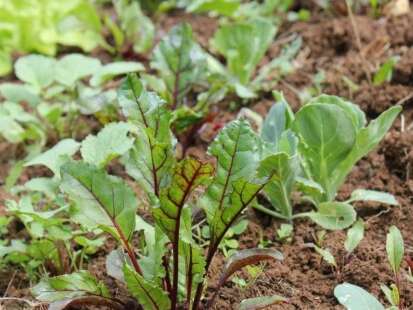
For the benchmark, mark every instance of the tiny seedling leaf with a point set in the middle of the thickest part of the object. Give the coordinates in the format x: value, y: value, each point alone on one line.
x: 263, y: 302
x: 395, y: 248
x: 354, y: 235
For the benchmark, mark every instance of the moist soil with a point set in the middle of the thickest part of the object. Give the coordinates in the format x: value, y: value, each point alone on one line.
x: 329, y: 45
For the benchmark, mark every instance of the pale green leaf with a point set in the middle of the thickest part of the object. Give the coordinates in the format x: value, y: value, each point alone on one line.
x: 395, y: 248
x: 354, y: 297
x: 36, y: 70
x: 370, y: 195
x: 112, y: 141
x: 354, y: 236
x: 74, y: 67
x: 109, y: 71
x: 333, y: 215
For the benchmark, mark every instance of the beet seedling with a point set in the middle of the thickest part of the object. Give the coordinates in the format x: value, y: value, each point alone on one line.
x: 167, y: 269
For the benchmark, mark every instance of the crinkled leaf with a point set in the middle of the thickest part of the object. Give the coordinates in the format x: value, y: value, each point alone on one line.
x: 36, y: 70
x: 180, y: 62
x: 111, y: 142
x: 74, y: 67
x: 188, y: 175
x: 333, y: 215
x: 354, y: 297
x: 149, y: 294
x: 151, y: 159
x: 109, y: 71
x: 376, y: 196
x: 262, y: 302
x: 236, y: 151
x: 69, y: 286
x: 55, y: 157
x: 354, y: 236
x: 243, y: 45
x: 395, y: 248
x: 101, y: 199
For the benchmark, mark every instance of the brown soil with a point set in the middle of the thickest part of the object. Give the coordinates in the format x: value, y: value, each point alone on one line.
x: 329, y: 45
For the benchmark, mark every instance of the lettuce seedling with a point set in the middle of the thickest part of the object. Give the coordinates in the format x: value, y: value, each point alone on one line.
x: 167, y: 268
x: 316, y: 149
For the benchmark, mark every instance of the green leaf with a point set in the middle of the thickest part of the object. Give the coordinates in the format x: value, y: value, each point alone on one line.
x: 333, y: 215
x: 354, y: 235
x: 325, y: 254
x: 367, y: 139
x: 101, y: 199
x: 223, y: 7
x: 19, y: 93
x: 243, y: 45
x: 189, y: 174
x: 278, y: 119
x: 180, y: 62
x: 69, y: 286
x: 354, y: 297
x: 370, y: 195
x: 149, y: 294
x: 263, y: 302
x: 137, y: 27
x: 112, y: 141
x: 151, y: 159
x: 55, y: 157
x: 36, y: 70
x: 74, y: 67
x: 236, y: 150
x: 385, y: 72
x: 395, y: 248
x: 328, y: 136
x: 392, y: 294
x: 109, y: 71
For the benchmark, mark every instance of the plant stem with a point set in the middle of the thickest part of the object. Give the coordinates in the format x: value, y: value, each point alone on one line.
x: 272, y: 213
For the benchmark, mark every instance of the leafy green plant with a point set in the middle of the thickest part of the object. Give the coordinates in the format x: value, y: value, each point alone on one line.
x: 385, y: 72
x: 39, y: 26
x: 316, y: 149
x: 168, y: 268
x: 349, y: 295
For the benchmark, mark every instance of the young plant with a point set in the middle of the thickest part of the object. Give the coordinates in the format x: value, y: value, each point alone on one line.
x: 168, y: 269
x: 395, y: 253
x: 317, y: 148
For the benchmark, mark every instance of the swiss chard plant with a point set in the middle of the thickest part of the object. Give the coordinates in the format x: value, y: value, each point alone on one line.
x: 159, y: 260
x: 316, y: 149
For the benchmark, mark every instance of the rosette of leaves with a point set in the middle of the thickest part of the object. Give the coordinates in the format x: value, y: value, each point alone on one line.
x: 167, y: 269
x: 316, y: 149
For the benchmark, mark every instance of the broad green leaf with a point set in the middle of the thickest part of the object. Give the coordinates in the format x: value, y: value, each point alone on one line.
x: 385, y: 72
x: 109, y: 71
x: 236, y: 150
x: 354, y: 297
x: 333, y: 215
x: 367, y: 139
x: 370, y: 195
x: 328, y: 135
x: 180, y: 62
x: 280, y: 187
x: 100, y: 199
x: 55, y: 157
x: 263, y: 302
x: 74, y: 67
x: 151, y: 159
x: 15, y: 246
x: 188, y: 175
x: 354, y: 236
x: 36, y: 70
x: 243, y: 45
x: 69, y: 286
x: 150, y: 295
x: 19, y: 93
x: 223, y: 7
x: 395, y: 248
x: 114, y: 263
x: 112, y: 141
